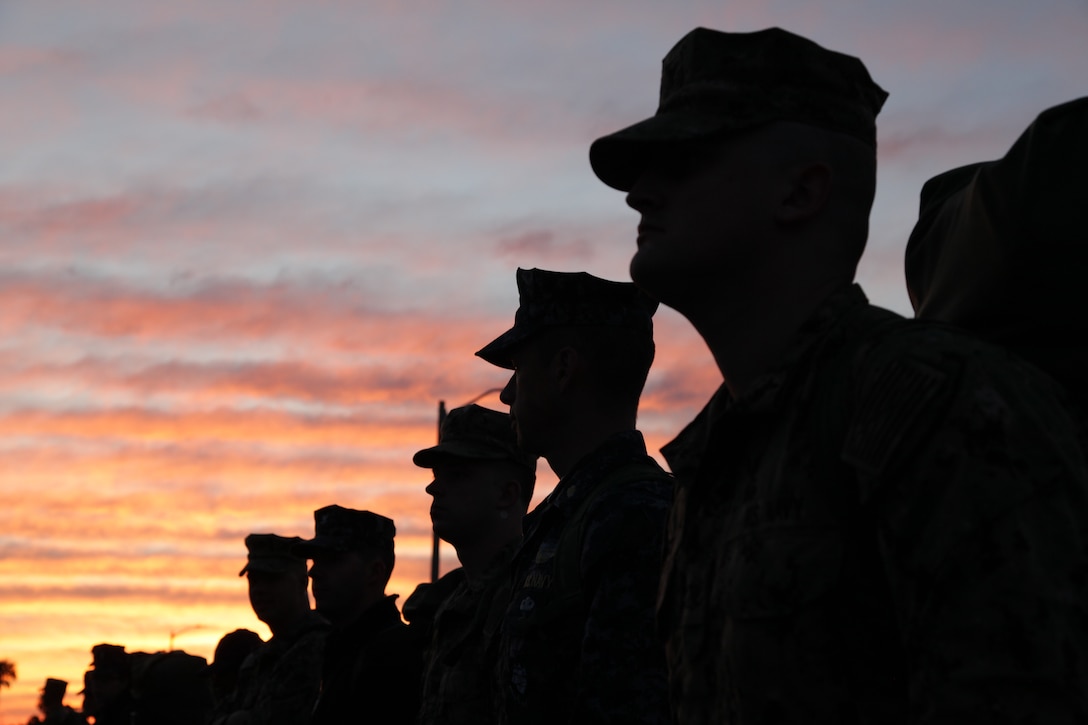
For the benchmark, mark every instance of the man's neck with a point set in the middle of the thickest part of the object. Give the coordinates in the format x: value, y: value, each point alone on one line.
x: 750, y: 334
x: 358, y: 612
x: 478, y: 556
x: 287, y: 624
x: 584, y: 434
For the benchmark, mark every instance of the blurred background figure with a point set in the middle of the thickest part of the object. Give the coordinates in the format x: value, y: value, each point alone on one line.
x: 107, y: 695
x: 482, y: 486
x: 87, y: 693
x: 279, y: 682
x: 231, y: 651
x: 52, y: 707
x: 170, y: 688
x: 577, y: 642
x: 372, y: 663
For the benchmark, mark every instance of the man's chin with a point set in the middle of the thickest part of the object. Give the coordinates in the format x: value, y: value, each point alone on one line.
x: 655, y: 279
x: 525, y: 443
x: 645, y: 274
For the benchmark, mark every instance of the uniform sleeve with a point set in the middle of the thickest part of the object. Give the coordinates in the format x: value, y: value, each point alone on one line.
x: 388, y: 687
x: 982, y: 517
x: 622, y: 674
x: 289, y: 696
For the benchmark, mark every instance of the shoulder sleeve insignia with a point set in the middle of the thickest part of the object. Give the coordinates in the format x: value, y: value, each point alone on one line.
x: 891, y: 410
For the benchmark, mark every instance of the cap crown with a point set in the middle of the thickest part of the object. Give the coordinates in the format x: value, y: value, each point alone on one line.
x: 110, y: 658
x: 54, y: 690
x: 476, y: 433
x: 349, y: 529
x: 771, y: 75
x: 272, y: 553
x: 715, y: 83
x: 570, y: 299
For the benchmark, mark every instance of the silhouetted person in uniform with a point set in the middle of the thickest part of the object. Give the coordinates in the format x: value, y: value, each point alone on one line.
x: 372, y: 664
x: 52, y: 707
x: 230, y: 652
x: 877, y: 520
x: 482, y: 486
x: 577, y: 642
x: 279, y: 683
x: 170, y: 688
x: 999, y: 248
x: 87, y: 693
x: 107, y: 685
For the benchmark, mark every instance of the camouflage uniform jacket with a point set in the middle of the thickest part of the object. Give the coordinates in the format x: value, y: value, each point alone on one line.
x: 63, y: 715
x: 372, y: 671
x: 598, y: 658
x: 421, y: 606
x: 891, y: 528
x: 457, y: 671
x: 278, y: 684
x: 118, y: 711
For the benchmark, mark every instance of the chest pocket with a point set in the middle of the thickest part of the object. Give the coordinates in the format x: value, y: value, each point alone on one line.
x: 545, y: 609
x: 563, y: 600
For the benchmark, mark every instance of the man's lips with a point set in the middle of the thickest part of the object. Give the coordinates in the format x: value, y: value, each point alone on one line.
x: 645, y: 228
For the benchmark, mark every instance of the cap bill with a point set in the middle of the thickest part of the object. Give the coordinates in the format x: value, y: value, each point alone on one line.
x: 497, y: 352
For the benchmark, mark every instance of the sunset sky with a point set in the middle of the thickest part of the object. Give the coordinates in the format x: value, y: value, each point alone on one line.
x: 246, y: 246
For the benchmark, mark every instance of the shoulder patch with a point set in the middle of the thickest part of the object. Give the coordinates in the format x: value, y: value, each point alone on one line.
x: 891, y: 407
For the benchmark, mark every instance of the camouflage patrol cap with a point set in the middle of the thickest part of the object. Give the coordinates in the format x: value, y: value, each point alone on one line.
x: 273, y: 554
x: 110, y: 658
x: 570, y: 299
x: 476, y: 433
x: 54, y: 690
x: 342, y: 529
x: 998, y: 248
x: 715, y: 83
x: 939, y: 214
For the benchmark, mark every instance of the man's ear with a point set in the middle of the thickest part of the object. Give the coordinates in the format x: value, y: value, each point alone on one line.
x: 509, y: 493
x: 377, y: 572
x: 806, y: 191
x: 565, y: 368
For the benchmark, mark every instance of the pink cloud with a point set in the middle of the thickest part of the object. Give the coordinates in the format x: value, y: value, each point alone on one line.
x: 229, y: 108
x: 342, y: 315
x: 17, y: 59
x: 224, y: 383
x: 543, y: 244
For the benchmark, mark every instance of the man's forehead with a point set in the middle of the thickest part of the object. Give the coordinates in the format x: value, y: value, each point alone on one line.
x: 725, y: 148
x: 330, y: 556
x: 682, y: 161
x: 260, y: 575
x: 537, y: 345
x: 455, y: 465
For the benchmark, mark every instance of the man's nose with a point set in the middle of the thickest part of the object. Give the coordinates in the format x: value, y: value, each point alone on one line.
x: 641, y: 196
x: 508, y: 395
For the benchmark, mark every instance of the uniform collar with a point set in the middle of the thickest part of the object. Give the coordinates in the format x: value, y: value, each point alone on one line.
x: 770, y: 390
x: 310, y: 620
x: 618, y: 449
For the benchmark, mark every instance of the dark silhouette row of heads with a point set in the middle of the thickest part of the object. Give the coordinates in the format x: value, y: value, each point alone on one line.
x: 129, y: 688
